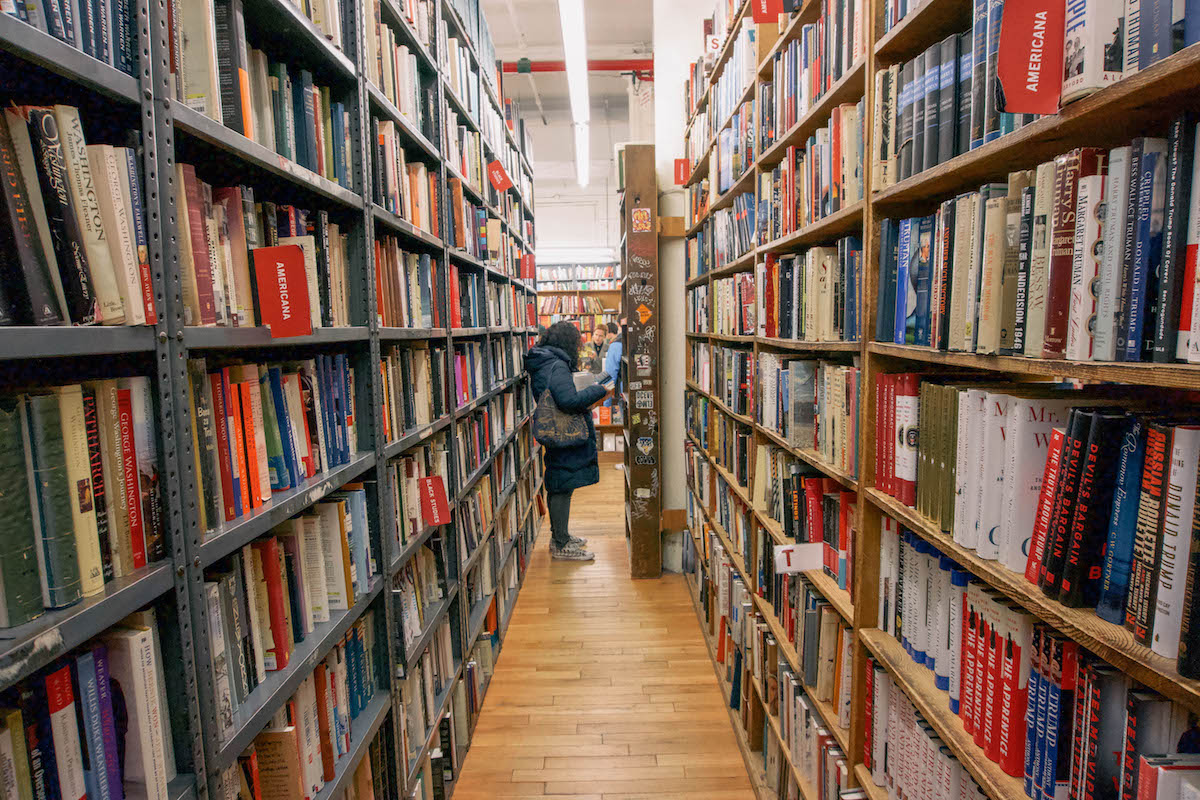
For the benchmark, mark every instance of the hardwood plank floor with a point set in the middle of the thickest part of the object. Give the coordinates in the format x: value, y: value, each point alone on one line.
x: 603, y: 689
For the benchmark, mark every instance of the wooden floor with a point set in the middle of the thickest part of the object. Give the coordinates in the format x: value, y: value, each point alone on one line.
x: 604, y: 689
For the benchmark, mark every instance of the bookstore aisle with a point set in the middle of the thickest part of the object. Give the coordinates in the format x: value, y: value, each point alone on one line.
x: 604, y: 690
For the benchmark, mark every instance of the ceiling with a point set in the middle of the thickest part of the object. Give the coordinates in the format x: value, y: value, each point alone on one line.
x: 530, y: 29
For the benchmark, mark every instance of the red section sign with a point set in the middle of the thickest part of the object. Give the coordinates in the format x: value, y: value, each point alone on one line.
x: 766, y: 10
x: 283, y: 290
x: 1030, y: 64
x: 435, y: 509
x: 498, y: 177
x: 681, y: 171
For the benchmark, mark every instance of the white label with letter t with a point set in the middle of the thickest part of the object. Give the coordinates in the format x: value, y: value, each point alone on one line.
x: 793, y: 558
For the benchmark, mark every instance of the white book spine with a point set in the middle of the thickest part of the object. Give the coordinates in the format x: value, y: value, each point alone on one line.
x: 1039, y: 261
x: 220, y: 661
x: 1092, y: 52
x: 1176, y: 540
x: 1133, y: 36
x: 131, y: 663
x: 1116, y: 198
x: 1081, y: 317
x: 107, y: 176
x: 974, y: 260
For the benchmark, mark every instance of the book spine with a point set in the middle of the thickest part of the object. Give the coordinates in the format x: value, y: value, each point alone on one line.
x: 1118, y: 550
x: 23, y: 238
x: 1024, y: 252
x: 1062, y: 248
x: 60, y: 700
x: 137, y: 221
x: 1116, y: 198
x: 1058, y: 534
x: 1147, y: 245
x: 107, y: 719
x: 99, y: 488
x: 82, y: 306
x: 1181, y: 143
x: 51, y: 498
x: 1139, y: 606
x: 138, y: 524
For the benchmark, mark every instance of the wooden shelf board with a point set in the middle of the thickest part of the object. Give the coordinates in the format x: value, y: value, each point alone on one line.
x: 812, y: 458
x: 743, y: 263
x: 1111, y: 642
x: 829, y: 228
x: 838, y: 597
x: 801, y: 346
x: 933, y: 704
x: 931, y: 22
x: 868, y: 784
x: 1175, y: 375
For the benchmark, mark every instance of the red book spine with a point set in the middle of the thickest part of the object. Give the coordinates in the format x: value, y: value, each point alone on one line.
x: 980, y: 689
x: 197, y: 229
x: 869, y: 707
x: 321, y: 683
x: 269, y: 556
x: 251, y: 438
x: 1078, y: 745
x: 880, y: 479
x: 1013, y: 702
x: 1079, y: 163
x: 221, y: 416
x: 455, y: 306
x: 133, y: 491
x: 812, y: 502
x: 381, y: 312
x: 889, y: 430
x: 1041, y: 522
x: 237, y: 440
x: 991, y: 703
x: 906, y: 454
x: 966, y: 691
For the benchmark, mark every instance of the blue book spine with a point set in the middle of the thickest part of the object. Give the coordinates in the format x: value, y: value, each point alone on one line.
x: 1039, y: 753
x: 1050, y: 739
x: 328, y: 405
x: 276, y: 465
x: 1031, y: 717
x: 358, y: 509
x: 923, y: 255
x: 960, y: 579
x: 922, y: 549
x: 344, y: 392
x: 1147, y: 242
x: 902, y: 282
x: 275, y: 375
x: 230, y: 397
x: 95, y: 773
x: 108, y: 723
x: 1191, y: 22
x: 1118, y: 549
x: 946, y: 570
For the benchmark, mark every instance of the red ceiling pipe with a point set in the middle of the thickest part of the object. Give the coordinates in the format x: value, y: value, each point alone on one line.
x: 643, y: 65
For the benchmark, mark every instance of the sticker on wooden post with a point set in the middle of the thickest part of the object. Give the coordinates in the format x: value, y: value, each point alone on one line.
x: 793, y: 558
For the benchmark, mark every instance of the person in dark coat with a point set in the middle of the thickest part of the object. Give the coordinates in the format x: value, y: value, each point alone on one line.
x: 550, y: 365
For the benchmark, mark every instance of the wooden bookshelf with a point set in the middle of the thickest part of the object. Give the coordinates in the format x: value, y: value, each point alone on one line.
x: 1141, y: 104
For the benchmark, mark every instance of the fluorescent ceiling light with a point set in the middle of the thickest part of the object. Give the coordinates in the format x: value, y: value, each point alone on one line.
x: 574, y: 37
x: 583, y: 155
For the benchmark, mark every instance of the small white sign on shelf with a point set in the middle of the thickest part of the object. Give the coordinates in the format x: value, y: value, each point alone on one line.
x: 793, y: 558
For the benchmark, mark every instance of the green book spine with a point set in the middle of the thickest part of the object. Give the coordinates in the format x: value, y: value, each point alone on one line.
x: 46, y: 465
x: 20, y: 586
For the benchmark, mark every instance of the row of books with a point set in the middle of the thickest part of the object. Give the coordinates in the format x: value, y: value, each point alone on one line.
x: 735, y: 152
x: 218, y: 74
x: 737, y: 76
x: 468, y: 222
x: 476, y: 513
x: 408, y: 189
x: 221, y: 228
x: 72, y: 215
x: 104, y: 30
x: 568, y: 304
x: 731, y: 445
x: 1132, y: 299
x: 479, y: 583
x: 259, y: 429
x: 298, y: 751
x: 811, y: 296
x: 903, y: 752
x: 733, y: 379
x: 265, y: 599
x: 417, y: 588
x: 468, y: 298
x: 733, y: 305
x: 408, y: 286
x: 414, y: 387
x: 395, y: 70
x: 461, y: 76
x: 423, y: 467
x: 369, y: 780
x: 1032, y: 700
x: 808, y: 66
x: 1086, y: 522
x: 85, y: 504
x: 586, y: 322
x: 476, y: 436
x: 469, y: 375
x: 813, y: 405
x: 816, y: 180
x: 577, y: 272
x: 424, y: 682
x: 464, y: 149
x: 93, y: 723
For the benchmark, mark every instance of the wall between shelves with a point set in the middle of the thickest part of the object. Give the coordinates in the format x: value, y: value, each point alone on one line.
x: 675, y: 26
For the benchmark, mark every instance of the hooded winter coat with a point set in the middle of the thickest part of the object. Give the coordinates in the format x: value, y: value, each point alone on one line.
x: 567, y: 468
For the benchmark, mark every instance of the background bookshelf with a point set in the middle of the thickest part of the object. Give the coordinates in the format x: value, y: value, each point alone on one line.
x: 737, y: 137
x: 586, y: 294
x: 493, y: 497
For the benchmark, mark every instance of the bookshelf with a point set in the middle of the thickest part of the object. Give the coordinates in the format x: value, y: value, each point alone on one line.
x: 120, y: 108
x: 1141, y: 104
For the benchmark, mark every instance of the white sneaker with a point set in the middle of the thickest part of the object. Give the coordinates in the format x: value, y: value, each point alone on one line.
x: 580, y: 541
x: 572, y: 552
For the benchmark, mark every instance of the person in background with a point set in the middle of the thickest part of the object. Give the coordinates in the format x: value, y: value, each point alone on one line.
x: 598, y: 349
x: 550, y: 365
x: 612, y: 358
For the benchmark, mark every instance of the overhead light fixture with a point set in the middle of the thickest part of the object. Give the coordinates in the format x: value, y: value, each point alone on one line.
x: 583, y: 156
x: 574, y: 37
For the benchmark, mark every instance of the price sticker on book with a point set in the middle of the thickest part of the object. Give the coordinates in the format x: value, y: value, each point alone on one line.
x: 793, y: 558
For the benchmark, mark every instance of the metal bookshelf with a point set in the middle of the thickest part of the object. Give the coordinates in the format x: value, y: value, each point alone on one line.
x: 143, y: 105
